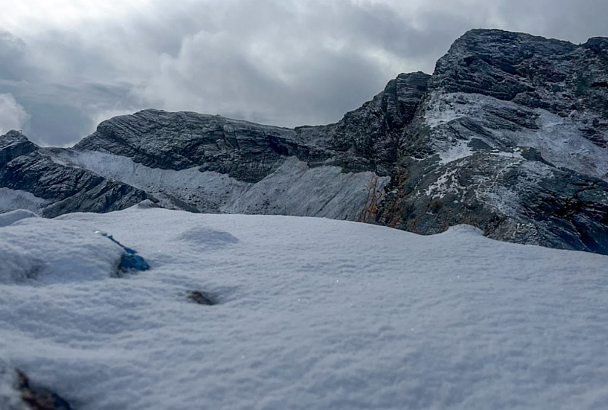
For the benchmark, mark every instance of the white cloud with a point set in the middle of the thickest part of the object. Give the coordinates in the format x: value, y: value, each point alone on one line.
x: 12, y: 114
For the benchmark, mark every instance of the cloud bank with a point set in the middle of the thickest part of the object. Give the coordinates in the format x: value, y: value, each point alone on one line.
x: 71, y: 63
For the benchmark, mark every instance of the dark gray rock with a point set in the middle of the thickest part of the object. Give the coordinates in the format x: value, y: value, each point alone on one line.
x: 531, y: 71
x: 38, y: 397
x: 530, y: 202
x: 14, y: 144
x: 375, y: 130
x: 199, y: 298
x: 504, y: 65
x: 510, y: 137
x: 177, y: 140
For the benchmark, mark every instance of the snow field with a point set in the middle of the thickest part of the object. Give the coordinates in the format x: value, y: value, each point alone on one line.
x: 311, y: 313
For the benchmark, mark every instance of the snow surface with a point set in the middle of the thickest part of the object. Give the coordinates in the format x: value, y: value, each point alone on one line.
x: 312, y: 314
x: 11, y: 217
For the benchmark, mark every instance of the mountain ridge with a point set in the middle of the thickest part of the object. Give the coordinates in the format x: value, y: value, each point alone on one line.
x: 509, y: 134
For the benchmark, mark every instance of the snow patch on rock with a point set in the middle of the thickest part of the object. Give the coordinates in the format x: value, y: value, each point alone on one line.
x: 12, y: 199
x: 560, y: 142
x: 207, y: 191
x: 444, y: 185
x: 293, y: 189
x: 502, y: 125
x: 298, y: 190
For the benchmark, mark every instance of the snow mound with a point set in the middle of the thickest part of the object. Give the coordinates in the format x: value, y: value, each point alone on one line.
x: 206, y: 238
x: 37, y: 250
x: 145, y: 204
x: 10, y: 218
x: 310, y: 313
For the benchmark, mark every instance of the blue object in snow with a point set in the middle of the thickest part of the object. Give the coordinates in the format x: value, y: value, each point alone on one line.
x: 133, y: 262
x: 130, y: 260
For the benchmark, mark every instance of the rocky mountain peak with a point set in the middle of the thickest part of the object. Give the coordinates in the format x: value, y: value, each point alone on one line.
x: 598, y: 45
x: 508, y: 66
x: 375, y: 130
x: 14, y: 144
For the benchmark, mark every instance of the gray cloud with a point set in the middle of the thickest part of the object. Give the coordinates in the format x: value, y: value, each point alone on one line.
x: 12, y: 114
x: 284, y: 62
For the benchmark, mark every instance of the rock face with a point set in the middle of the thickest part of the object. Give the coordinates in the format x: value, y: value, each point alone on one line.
x: 510, y: 134
x: 510, y: 137
x: 206, y: 163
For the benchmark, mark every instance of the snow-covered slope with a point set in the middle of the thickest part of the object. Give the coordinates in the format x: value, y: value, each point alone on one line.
x: 294, y: 188
x: 12, y: 199
x: 310, y: 313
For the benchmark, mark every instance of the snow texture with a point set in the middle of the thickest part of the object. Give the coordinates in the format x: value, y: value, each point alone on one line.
x: 50, y: 251
x: 312, y: 314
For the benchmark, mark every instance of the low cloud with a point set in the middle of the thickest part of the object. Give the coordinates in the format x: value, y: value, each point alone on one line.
x: 12, y: 115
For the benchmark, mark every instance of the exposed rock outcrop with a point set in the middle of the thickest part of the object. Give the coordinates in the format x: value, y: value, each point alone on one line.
x: 178, y: 140
x: 63, y: 187
x: 38, y: 397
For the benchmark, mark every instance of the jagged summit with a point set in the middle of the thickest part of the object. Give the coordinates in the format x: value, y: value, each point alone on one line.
x: 509, y: 134
x: 529, y: 70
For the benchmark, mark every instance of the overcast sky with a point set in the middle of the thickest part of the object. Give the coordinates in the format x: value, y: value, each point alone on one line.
x: 66, y: 65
